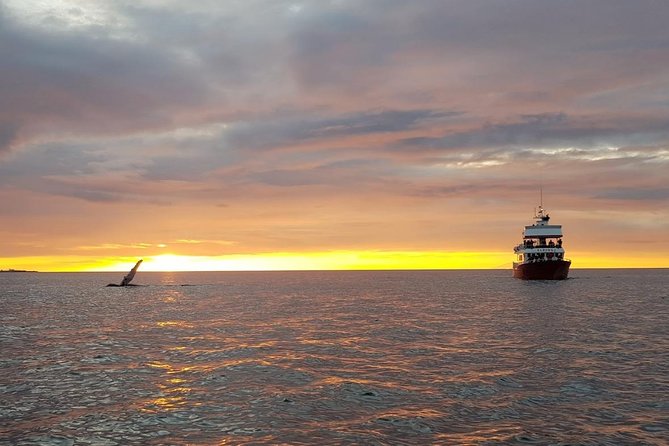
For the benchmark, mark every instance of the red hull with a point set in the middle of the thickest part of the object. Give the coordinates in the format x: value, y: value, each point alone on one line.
x: 549, y: 270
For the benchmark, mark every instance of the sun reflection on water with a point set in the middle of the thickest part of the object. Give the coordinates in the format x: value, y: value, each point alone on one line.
x: 173, y: 391
x: 178, y: 324
x: 172, y: 296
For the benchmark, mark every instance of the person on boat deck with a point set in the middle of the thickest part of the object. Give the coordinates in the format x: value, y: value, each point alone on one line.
x: 559, y: 243
x: 551, y: 243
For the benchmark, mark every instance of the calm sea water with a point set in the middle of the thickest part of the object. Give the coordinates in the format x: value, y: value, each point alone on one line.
x: 428, y: 357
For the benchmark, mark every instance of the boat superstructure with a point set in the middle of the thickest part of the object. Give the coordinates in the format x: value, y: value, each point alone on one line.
x: 541, y: 255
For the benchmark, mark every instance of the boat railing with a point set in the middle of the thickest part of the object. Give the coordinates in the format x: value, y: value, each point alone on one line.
x: 554, y: 259
x: 530, y: 244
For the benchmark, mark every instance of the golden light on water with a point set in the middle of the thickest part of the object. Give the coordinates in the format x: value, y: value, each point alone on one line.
x: 173, y: 390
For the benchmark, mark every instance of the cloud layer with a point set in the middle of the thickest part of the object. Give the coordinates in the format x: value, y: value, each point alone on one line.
x: 324, y: 125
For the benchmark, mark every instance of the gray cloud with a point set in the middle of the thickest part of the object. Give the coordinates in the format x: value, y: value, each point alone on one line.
x: 89, y: 82
x: 173, y: 65
x: 8, y: 134
x: 48, y: 160
x: 549, y: 129
x: 642, y: 194
x: 280, y: 132
x: 94, y: 196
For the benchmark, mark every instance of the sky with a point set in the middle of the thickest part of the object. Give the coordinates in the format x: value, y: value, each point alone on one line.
x: 341, y: 134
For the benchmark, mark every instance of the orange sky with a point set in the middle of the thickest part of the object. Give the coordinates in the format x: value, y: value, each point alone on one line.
x: 330, y: 135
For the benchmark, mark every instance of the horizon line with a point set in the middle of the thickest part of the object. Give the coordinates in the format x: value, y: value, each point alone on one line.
x: 323, y: 270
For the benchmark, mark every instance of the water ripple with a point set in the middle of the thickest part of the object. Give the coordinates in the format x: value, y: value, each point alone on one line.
x: 335, y: 358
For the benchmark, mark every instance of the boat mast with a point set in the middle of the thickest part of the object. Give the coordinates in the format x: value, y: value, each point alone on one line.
x: 539, y: 212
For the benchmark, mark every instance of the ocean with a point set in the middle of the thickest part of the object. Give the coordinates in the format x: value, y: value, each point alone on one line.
x: 319, y: 358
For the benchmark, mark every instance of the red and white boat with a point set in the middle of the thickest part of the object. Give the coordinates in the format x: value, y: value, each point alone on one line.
x: 541, y: 255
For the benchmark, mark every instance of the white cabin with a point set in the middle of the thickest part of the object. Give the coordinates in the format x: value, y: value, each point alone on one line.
x: 541, y: 241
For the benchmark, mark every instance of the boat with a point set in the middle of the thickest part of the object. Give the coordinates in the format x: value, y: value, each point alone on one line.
x: 541, y: 255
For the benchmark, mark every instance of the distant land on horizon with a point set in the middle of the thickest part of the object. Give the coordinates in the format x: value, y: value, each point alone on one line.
x: 10, y: 270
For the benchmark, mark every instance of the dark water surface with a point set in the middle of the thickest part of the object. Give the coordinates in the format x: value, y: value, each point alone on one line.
x: 428, y: 357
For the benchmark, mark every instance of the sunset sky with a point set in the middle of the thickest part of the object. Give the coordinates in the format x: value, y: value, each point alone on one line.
x: 248, y: 134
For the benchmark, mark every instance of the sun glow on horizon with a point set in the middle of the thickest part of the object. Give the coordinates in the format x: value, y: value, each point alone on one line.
x: 330, y: 260
x: 336, y: 260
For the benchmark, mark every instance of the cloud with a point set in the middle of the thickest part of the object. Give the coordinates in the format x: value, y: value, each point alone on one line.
x: 90, y: 83
x: 550, y: 130
x: 8, y: 134
x: 280, y: 132
x: 308, y: 117
x: 139, y: 67
x: 643, y: 194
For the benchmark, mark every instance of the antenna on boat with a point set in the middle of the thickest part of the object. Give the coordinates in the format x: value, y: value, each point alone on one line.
x: 540, y: 212
x: 541, y: 195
